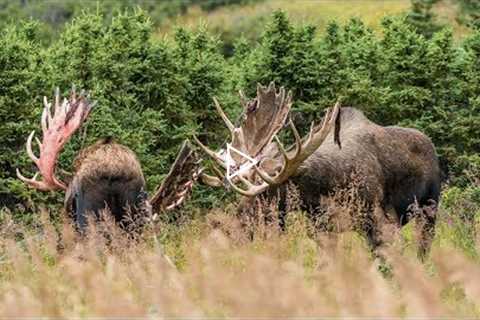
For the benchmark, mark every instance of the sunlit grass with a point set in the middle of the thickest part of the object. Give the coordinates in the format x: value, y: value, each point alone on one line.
x: 318, y: 13
x: 447, y: 11
x: 248, y: 20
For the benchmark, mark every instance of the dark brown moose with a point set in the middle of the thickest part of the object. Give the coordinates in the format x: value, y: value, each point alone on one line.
x: 107, y: 175
x: 398, y: 167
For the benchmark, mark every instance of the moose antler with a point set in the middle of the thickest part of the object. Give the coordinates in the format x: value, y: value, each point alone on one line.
x: 176, y: 187
x: 252, y: 149
x: 302, y: 150
x: 67, y: 117
x: 263, y: 117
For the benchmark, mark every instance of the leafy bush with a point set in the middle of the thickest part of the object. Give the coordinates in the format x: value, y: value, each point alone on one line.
x: 400, y: 78
x: 422, y: 17
x: 154, y: 93
x: 470, y: 12
x: 18, y: 80
x: 150, y: 93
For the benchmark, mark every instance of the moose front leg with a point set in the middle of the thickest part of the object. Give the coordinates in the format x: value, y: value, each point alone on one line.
x: 425, y: 220
x: 384, y: 229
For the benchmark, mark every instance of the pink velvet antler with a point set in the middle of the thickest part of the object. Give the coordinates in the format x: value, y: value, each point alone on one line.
x: 68, y: 116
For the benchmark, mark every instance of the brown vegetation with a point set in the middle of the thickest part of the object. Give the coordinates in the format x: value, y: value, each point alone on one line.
x: 210, y: 267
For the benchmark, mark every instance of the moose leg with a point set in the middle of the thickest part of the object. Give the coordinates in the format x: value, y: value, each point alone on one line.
x: 425, y: 227
x: 245, y: 211
x: 383, y: 230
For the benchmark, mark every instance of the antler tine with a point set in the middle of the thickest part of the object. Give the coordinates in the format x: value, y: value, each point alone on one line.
x: 281, y: 95
x: 265, y: 176
x: 298, y: 140
x: 262, y: 122
x: 271, y: 86
x: 224, y: 117
x: 289, y: 98
x: 57, y: 101
x: 297, y: 144
x: 293, y: 159
x: 251, y: 191
x: 209, y: 152
x: 29, y: 148
x: 38, y: 142
x: 211, y: 180
x: 243, y: 98
x: 320, y: 134
x: 32, y: 181
x: 260, y: 90
x: 46, y: 119
x: 218, y: 172
x: 214, y: 181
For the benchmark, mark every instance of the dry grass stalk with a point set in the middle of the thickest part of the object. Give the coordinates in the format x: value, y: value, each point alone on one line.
x: 223, y: 268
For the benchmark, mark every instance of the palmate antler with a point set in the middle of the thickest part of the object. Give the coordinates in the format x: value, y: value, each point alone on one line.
x: 178, y: 184
x: 68, y: 116
x: 263, y: 118
x: 251, y: 148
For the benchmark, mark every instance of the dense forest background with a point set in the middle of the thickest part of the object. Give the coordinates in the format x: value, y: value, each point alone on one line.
x: 419, y: 66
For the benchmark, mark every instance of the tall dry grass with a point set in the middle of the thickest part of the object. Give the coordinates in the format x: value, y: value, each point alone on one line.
x: 216, y: 267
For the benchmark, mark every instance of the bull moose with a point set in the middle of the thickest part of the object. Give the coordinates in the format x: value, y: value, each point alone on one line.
x: 398, y: 166
x: 107, y: 175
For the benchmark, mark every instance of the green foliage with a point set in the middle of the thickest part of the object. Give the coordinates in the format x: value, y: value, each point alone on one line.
x: 461, y: 217
x: 54, y: 14
x: 401, y: 78
x: 470, y: 13
x: 150, y: 94
x: 422, y: 17
x: 18, y: 79
x: 154, y: 93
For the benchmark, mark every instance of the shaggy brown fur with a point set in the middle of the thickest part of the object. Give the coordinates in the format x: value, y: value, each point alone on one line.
x: 398, y: 167
x: 107, y: 176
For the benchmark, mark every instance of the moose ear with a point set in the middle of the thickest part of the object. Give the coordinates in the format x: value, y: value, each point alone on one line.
x: 176, y: 186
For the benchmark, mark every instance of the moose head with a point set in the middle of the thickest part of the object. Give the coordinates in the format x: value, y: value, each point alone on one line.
x: 255, y: 157
x: 107, y: 175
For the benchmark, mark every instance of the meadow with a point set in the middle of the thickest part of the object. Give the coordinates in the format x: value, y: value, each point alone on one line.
x: 153, y: 67
x: 211, y: 266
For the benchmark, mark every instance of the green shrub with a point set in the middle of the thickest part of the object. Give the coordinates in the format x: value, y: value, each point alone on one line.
x: 19, y: 79
x: 153, y: 93
x: 422, y: 17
